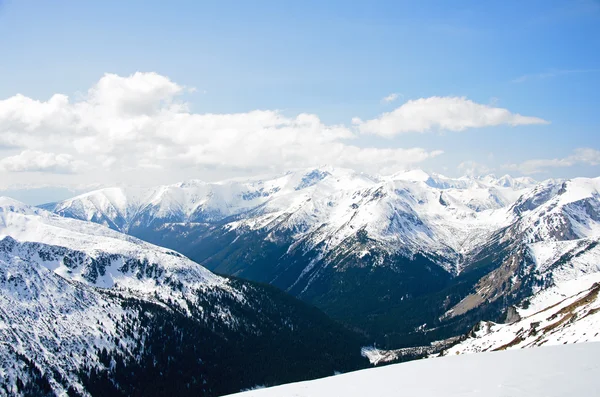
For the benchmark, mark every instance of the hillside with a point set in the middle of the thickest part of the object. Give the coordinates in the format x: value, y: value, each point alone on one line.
x: 84, y: 309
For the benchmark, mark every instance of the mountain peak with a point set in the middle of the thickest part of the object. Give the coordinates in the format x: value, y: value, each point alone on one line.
x: 8, y: 204
x: 414, y: 175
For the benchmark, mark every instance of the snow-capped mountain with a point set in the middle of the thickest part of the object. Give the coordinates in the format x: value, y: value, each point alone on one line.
x: 560, y: 211
x: 81, y: 305
x: 552, y: 268
x: 406, y: 258
x: 552, y: 228
x: 408, y: 213
x: 339, y: 199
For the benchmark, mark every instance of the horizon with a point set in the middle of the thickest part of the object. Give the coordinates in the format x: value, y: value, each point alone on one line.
x: 30, y: 195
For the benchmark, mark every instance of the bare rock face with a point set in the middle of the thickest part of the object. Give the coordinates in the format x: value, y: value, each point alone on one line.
x: 512, y: 315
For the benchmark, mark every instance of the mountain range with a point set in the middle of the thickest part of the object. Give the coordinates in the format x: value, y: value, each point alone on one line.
x: 210, y: 288
x: 404, y: 259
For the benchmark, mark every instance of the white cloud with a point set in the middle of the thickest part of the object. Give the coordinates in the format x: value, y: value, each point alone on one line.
x: 390, y: 98
x: 36, y: 161
x: 441, y: 113
x: 586, y: 156
x: 472, y: 168
x: 140, y: 93
x: 139, y: 122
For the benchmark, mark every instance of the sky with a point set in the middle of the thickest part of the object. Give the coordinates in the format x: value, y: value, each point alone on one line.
x: 100, y: 93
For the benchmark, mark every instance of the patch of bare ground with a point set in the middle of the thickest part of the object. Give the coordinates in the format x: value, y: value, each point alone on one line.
x: 587, y: 299
x: 513, y: 342
x: 492, y: 286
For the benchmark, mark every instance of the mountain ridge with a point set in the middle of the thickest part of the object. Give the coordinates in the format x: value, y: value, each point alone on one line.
x: 439, y: 253
x: 81, y: 306
x: 200, y: 202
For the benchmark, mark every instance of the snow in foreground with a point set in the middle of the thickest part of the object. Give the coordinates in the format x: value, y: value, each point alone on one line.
x: 569, y: 370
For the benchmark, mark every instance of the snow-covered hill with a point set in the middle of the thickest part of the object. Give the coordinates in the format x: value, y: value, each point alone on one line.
x: 557, y: 371
x: 80, y: 305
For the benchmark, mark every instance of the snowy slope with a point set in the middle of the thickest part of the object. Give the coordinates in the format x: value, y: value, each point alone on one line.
x: 80, y: 304
x: 51, y: 309
x: 104, y: 258
x: 552, y: 236
x: 555, y: 243
x: 563, y: 307
x: 50, y: 322
x: 548, y: 371
x: 557, y: 210
x: 565, y: 313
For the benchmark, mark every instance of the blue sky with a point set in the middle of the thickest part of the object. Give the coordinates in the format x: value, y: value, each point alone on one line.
x: 333, y: 59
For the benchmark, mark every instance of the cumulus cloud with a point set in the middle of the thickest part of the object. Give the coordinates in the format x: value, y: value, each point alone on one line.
x: 443, y: 114
x: 36, y: 161
x: 140, y: 122
x: 584, y: 156
x: 390, y: 98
